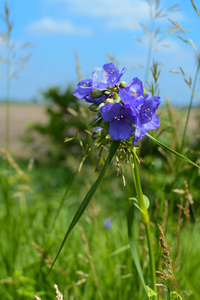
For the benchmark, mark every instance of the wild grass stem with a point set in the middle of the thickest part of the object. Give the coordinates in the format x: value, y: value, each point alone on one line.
x: 190, y: 105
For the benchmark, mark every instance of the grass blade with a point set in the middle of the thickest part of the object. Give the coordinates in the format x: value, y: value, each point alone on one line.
x: 132, y: 242
x: 171, y: 150
x: 86, y: 200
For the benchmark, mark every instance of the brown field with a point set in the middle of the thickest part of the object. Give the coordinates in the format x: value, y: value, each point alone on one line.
x: 22, y: 115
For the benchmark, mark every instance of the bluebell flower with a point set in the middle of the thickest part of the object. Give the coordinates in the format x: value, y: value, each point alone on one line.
x: 110, y: 75
x: 121, y: 119
x: 84, y: 87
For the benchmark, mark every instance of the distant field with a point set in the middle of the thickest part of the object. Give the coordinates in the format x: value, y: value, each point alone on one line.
x: 21, y: 115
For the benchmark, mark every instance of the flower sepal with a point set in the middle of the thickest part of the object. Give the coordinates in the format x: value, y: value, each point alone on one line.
x: 95, y: 93
x: 94, y: 122
x: 94, y: 107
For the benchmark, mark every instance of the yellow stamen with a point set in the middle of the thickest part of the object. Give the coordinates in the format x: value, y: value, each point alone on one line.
x: 149, y: 119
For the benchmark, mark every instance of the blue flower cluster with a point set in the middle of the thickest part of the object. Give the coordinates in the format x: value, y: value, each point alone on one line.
x: 124, y: 110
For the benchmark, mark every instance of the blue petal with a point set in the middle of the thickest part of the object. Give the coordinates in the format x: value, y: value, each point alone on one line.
x: 83, y: 89
x: 129, y: 113
x: 125, y: 97
x: 120, y: 130
x: 148, y: 109
x: 142, y: 129
x: 98, y: 100
x: 110, y: 75
x: 135, y: 87
x: 110, y: 111
x: 94, y: 79
x: 109, y: 70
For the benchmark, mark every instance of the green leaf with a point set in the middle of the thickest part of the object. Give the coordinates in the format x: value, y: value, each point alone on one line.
x: 171, y: 150
x: 151, y: 292
x: 175, y: 296
x: 86, y: 200
x: 135, y: 201
x: 120, y: 250
x: 132, y: 242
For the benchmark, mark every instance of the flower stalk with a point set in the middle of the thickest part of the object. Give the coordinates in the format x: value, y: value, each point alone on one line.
x: 143, y: 207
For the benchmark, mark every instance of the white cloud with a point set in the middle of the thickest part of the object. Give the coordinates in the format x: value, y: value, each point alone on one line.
x: 49, y: 25
x: 115, y: 14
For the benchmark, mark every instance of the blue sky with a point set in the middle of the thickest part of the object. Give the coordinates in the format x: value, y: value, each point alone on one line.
x: 58, y: 28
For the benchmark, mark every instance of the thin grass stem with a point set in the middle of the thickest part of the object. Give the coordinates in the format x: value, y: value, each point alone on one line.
x: 190, y: 106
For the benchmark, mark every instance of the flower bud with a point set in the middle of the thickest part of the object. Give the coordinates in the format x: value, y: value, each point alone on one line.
x: 95, y: 93
x: 109, y: 100
x: 96, y: 134
x: 94, y: 107
x: 118, y: 99
x: 100, y: 106
x: 144, y: 91
x: 123, y: 83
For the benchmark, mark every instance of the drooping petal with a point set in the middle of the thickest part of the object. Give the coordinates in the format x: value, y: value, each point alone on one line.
x: 120, y: 130
x: 98, y: 100
x: 110, y: 111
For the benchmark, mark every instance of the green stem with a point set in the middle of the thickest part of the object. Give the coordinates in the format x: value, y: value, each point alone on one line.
x: 190, y: 105
x: 151, y: 258
x: 145, y: 219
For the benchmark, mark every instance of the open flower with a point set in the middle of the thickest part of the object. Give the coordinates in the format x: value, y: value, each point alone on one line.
x: 132, y: 94
x: 146, y: 118
x: 110, y: 75
x: 121, y: 120
x: 85, y: 86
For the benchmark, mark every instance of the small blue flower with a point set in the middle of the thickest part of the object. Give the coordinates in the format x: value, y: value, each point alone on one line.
x: 121, y: 120
x: 110, y: 75
x: 146, y: 118
x: 84, y: 87
x: 132, y: 94
x: 107, y: 223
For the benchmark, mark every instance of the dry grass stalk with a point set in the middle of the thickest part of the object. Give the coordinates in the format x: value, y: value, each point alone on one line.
x: 13, y: 163
x: 47, y: 258
x: 180, y: 222
x: 169, y: 274
x: 87, y: 249
x: 78, y: 67
x: 37, y: 298
x: 188, y: 201
x: 164, y: 219
x: 58, y: 293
